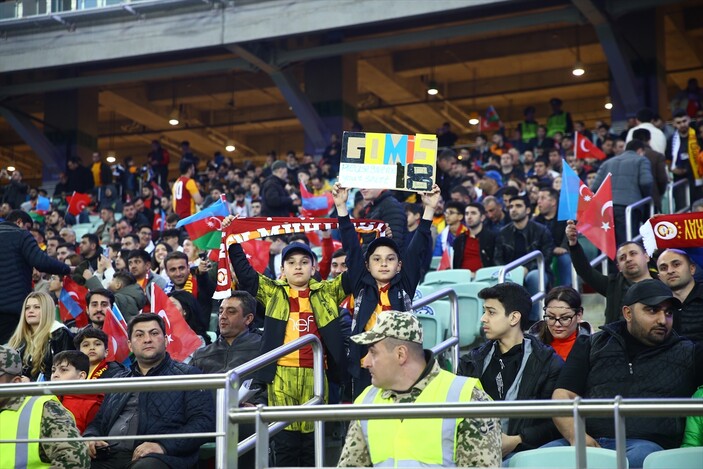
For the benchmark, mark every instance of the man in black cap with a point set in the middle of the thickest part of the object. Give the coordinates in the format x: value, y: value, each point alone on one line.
x: 640, y: 357
x: 276, y: 200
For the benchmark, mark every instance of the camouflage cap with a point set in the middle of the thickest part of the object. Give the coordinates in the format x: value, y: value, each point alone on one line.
x: 392, y: 324
x: 10, y: 361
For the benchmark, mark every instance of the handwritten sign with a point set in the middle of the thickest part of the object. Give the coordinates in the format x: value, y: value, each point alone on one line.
x: 388, y: 161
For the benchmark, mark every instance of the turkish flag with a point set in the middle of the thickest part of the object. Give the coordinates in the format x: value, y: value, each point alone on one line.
x: 181, y: 341
x: 72, y: 304
x: 445, y: 263
x: 596, y: 221
x: 584, y: 148
x: 117, y: 348
x: 257, y: 252
x: 77, y: 202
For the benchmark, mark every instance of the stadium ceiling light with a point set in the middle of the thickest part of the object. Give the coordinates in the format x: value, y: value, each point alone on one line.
x: 173, y: 118
x: 578, y: 69
x: 474, y: 119
x: 11, y: 168
x: 608, y: 103
x: 432, y: 88
x: 230, y: 146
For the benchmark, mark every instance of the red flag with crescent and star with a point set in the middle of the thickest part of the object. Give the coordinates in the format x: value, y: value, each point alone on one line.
x: 584, y: 148
x: 595, y: 217
x: 77, y: 202
x: 181, y: 341
x: 118, y: 347
x: 72, y: 304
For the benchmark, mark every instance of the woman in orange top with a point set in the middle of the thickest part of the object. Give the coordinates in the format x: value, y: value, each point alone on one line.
x: 562, y: 320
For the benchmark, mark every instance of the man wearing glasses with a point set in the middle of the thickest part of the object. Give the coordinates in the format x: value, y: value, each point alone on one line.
x: 638, y: 357
x: 512, y: 365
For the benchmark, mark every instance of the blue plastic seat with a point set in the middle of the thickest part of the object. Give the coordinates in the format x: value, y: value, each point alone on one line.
x: 564, y: 457
x: 679, y: 458
x: 490, y: 275
x: 442, y: 278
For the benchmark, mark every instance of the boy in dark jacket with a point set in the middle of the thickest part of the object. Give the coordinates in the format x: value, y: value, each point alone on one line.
x: 93, y: 342
x: 512, y: 365
x: 379, y: 283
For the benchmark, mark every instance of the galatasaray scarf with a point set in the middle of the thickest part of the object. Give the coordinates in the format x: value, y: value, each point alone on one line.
x: 681, y: 231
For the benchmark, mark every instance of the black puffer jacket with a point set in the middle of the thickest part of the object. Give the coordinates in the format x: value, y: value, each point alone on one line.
x: 163, y: 412
x: 387, y: 208
x: 538, y: 382
x: 276, y: 201
x: 20, y: 253
x: 537, y: 238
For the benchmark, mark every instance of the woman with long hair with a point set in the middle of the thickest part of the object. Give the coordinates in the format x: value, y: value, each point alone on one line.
x: 161, y: 250
x: 39, y: 336
x: 562, y: 320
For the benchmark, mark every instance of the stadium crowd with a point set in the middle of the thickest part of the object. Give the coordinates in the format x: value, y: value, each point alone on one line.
x: 494, y: 201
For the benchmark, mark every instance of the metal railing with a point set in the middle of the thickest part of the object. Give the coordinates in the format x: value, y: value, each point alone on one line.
x: 670, y: 194
x: 453, y: 340
x: 618, y: 408
x: 227, y: 385
x: 628, y: 214
x: 529, y: 257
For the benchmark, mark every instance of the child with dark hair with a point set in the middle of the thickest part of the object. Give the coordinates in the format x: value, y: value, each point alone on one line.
x: 93, y: 342
x: 381, y: 280
x: 72, y: 365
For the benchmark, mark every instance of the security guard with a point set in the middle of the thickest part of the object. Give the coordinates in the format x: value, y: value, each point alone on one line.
x: 34, y: 417
x: 402, y: 372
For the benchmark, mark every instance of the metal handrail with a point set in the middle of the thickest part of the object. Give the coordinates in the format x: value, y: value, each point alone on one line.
x: 578, y: 408
x: 226, y: 384
x: 453, y: 340
x: 529, y: 257
x: 628, y: 214
x: 670, y: 193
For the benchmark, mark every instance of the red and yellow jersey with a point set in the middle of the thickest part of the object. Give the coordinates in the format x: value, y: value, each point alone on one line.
x: 183, y: 190
x: 301, y: 322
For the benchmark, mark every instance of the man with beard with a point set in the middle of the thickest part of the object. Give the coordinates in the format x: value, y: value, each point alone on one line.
x: 676, y: 270
x: 631, y: 260
x: 640, y: 357
x: 522, y: 236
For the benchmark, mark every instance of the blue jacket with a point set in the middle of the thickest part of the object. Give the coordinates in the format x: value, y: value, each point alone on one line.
x: 163, y: 412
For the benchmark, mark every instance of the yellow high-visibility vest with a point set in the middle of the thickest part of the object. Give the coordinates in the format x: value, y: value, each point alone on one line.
x: 25, y: 423
x: 413, y: 442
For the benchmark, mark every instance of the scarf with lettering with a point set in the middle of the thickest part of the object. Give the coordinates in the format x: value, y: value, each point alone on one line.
x: 244, y: 229
x: 679, y: 231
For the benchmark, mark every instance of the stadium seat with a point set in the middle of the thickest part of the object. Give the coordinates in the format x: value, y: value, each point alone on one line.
x: 81, y: 229
x: 564, y: 457
x: 434, y: 263
x: 490, y: 275
x: 470, y: 311
x: 434, y: 319
x: 679, y: 458
x: 447, y: 277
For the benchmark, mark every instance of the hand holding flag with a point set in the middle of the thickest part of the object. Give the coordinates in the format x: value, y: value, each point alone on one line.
x: 181, y: 341
x: 77, y: 202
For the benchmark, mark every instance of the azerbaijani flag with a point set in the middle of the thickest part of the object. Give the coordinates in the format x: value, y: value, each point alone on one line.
x: 72, y: 303
x: 572, y: 190
x: 315, y: 205
x: 204, y: 227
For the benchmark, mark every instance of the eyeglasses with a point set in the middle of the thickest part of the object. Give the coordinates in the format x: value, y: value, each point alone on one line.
x: 451, y: 212
x: 564, y: 320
